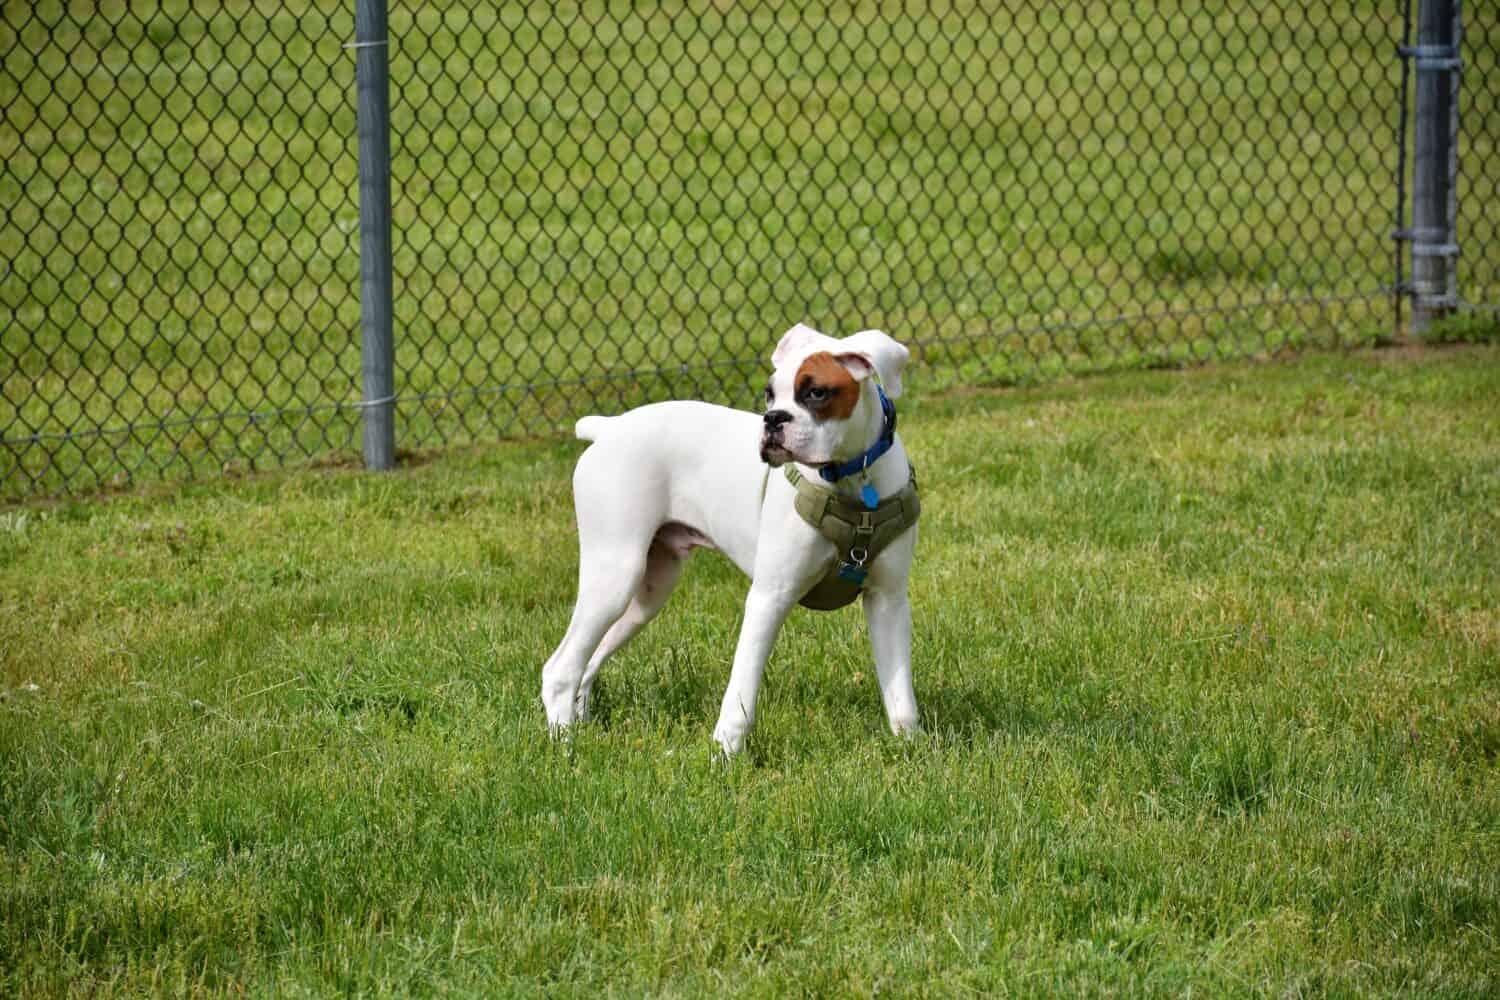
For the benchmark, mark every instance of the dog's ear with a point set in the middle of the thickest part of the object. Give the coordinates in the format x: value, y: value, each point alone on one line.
x: 856, y: 364
x: 879, y: 349
x: 796, y: 341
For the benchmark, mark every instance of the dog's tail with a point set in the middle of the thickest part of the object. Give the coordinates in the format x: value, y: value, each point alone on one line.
x: 589, y: 428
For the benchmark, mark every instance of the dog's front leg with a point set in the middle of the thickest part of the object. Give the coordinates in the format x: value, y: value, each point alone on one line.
x: 888, y: 617
x: 766, y: 608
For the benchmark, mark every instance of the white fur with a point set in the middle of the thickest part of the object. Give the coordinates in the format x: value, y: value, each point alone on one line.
x: 663, y: 478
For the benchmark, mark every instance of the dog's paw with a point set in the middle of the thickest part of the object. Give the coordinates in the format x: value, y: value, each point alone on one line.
x: 560, y: 733
x: 730, y: 742
x: 906, y: 726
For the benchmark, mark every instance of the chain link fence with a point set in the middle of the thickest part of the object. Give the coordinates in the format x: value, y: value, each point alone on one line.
x: 1478, y: 217
x: 178, y: 242
x: 599, y: 204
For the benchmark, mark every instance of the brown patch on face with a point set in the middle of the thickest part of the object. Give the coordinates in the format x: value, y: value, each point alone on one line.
x: 841, y: 391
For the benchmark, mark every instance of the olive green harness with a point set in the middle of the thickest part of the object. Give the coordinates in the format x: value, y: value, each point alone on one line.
x: 858, y: 533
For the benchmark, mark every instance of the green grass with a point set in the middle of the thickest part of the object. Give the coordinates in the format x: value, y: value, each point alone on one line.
x: 1207, y: 661
x: 584, y: 191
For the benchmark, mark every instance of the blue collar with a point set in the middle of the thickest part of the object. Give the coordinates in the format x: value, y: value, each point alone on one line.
x: 833, y: 472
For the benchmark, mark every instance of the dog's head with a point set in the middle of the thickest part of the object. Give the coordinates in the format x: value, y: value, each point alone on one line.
x: 821, y: 403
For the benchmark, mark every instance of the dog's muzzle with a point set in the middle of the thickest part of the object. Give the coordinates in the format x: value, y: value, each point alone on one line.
x: 772, y: 451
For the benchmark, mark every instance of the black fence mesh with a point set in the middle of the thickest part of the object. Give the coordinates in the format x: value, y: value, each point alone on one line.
x: 626, y: 202
x: 1478, y: 217
x: 178, y: 241
x: 602, y: 203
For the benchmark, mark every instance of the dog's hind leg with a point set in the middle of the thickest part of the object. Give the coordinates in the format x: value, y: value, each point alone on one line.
x: 613, y: 540
x: 607, y: 581
x: 665, y: 560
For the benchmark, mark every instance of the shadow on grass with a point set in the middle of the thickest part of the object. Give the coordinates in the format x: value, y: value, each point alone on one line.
x: 670, y: 689
x: 968, y: 712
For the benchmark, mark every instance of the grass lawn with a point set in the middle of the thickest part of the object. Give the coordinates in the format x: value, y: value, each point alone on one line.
x: 1208, y: 663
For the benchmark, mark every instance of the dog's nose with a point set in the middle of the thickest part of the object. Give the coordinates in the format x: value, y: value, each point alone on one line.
x: 775, y: 418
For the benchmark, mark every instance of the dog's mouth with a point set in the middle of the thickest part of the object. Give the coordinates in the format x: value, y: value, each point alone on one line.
x: 773, y: 450
x: 774, y: 454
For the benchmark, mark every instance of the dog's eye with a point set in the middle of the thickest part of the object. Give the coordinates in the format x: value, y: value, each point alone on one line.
x: 817, y: 394
x: 770, y: 396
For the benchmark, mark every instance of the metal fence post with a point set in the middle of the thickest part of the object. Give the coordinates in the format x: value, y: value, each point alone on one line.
x: 1435, y: 161
x: 372, y: 74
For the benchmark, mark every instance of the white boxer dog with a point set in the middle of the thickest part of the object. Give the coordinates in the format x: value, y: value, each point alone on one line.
x: 663, y: 479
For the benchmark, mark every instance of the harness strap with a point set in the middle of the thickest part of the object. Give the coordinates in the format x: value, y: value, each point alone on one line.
x: 857, y: 533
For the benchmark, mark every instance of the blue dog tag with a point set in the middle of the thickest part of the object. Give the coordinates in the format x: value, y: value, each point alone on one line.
x: 852, y: 573
x: 870, y: 497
